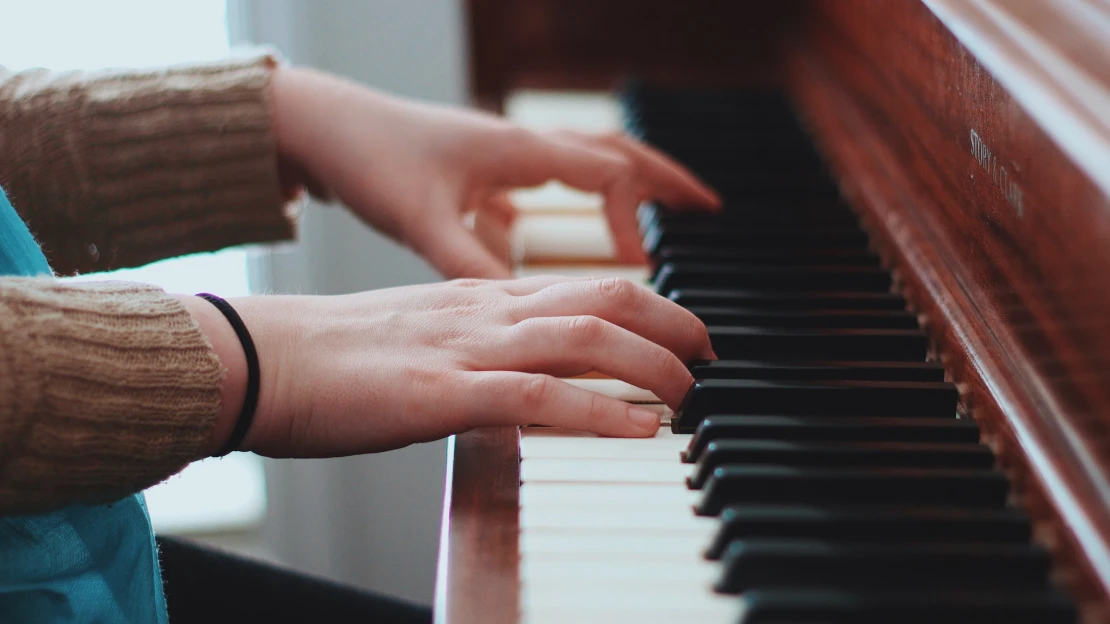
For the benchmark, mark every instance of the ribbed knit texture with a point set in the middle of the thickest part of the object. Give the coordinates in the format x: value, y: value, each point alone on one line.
x: 117, y: 169
x: 107, y: 388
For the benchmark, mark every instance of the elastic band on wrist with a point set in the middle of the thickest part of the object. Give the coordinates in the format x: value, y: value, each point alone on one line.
x: 250, y: 401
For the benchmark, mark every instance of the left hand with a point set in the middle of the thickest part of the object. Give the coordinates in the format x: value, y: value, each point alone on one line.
x: 415, y: 170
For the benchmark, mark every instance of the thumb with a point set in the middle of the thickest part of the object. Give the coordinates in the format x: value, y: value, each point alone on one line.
x: 456, y: 252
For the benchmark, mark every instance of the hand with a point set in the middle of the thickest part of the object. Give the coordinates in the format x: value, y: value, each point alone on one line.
x: 414, y: 170
x: 382, y: 369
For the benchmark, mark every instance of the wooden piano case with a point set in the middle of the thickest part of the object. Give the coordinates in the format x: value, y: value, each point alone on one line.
x: 973, y: 139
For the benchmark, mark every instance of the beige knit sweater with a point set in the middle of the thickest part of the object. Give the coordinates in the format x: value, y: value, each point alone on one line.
x: 107, y: 388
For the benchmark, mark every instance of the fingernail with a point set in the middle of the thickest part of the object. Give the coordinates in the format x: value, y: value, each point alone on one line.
x: 643, y: 418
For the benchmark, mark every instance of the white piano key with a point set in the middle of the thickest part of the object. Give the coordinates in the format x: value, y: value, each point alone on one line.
x: 568, y: 236
x: 615, y: 388
x: 615, y: 449
x: 679, y: 597
x: 585, y: 544
x: 603, y: 471
x: 641, y: 495
x: 535, y: 442
x: 608, y: 533
x: 716, y: 613
x: 569, y: 435
x: 662, y: 519
x: 625, y: 571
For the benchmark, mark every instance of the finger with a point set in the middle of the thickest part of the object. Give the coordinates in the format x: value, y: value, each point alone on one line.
x: 614, y: 176
x: 457, y: 252
x: 661, y: 176
x: 524, y: 286
x: 500, y: 207
x: 621, y: 204
x: 559, y: 156
x: 514, y: 398
x: 567, y: 346
x: 494, y: 234
x: 627, y: 305
x: 587, y: 167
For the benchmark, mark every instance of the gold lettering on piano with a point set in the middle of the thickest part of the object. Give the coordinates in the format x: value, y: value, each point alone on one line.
x: 1001, y: 176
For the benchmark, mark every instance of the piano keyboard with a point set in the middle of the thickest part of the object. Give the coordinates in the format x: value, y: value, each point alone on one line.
x: 819, y: 471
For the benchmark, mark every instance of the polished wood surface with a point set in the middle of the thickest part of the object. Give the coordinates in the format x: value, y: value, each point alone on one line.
x: 973, y: 138
x: 999, y: 234
x: 476, y: 578
x: 577, y: 44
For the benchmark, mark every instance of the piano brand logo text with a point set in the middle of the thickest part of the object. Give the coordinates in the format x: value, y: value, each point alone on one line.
x: 1001, y: 176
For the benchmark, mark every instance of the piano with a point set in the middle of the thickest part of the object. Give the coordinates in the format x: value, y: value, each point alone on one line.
x: 909, y: 291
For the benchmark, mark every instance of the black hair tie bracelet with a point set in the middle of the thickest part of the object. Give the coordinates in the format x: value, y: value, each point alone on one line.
x: 250, y: 401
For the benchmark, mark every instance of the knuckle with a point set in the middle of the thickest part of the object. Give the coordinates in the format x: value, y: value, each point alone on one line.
x: 520, y: 137
x: 617, y: 291
x: 623, y: 167
x: 468, y: 282
x: 585, y: 330
x: 516, y: 312
x: 598, y: 407
x: 537, y: 390
x: 665, y: 362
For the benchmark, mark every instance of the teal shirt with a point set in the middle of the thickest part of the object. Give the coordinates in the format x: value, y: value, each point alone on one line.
x: 81, y: 563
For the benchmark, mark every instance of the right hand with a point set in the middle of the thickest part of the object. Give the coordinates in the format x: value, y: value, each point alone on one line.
x: 383, y: 369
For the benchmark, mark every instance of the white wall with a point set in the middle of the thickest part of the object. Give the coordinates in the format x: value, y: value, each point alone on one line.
x: 371, y: 520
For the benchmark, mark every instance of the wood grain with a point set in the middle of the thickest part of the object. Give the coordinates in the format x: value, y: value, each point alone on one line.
x: 476, y: 578
x: 1012, y: 285
x: 591, y: 44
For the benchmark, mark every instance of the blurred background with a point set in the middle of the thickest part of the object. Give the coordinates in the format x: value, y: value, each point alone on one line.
x: 372, y: 521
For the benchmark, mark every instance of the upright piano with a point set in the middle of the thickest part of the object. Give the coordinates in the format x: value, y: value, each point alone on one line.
x: 909, y: 291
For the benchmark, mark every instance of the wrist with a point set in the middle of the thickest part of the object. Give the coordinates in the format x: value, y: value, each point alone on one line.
x: 233, y: 388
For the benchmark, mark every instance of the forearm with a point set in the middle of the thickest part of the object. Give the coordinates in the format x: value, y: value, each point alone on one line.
x: 117, y: 169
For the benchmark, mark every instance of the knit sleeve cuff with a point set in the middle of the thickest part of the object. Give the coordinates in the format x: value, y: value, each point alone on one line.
x: 123, y: 168
x: 105, y: 389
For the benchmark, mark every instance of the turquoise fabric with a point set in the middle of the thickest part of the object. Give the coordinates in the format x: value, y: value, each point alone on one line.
x: 82, y: 563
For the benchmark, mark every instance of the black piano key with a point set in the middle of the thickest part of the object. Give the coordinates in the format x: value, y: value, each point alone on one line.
x: 754, y: 187
x: 809, y: 217
x: 772, y: 300
x: 860, y: 319
x: 824, y: 428
x: 767, y: 563
x: 767, y: 257
x: 801, y: 606
x: 802, y: 215
x: 750, y: 146
x: 737, y: 237
x: 813, y: 371
x: 808, y: 454
x: 803, y: 343
x: 870, y: 525
x: 851, y: 486
x: 818, y: 398
x: 672, y: 276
